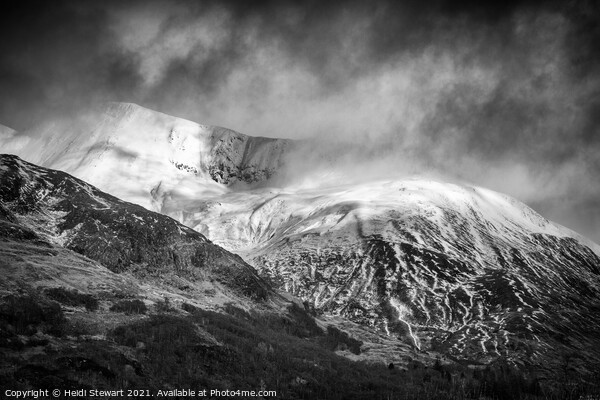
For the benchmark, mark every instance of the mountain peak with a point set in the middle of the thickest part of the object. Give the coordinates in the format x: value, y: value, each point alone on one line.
x: 142, y: 155
x: 117, y: 110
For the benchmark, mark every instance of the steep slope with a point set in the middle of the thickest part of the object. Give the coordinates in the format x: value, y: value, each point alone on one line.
x: 460, y: 270
x: 139, y: 154
x: 121, y: 236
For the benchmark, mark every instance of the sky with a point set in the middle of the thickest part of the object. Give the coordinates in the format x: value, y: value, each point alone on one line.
x: 502, y: 96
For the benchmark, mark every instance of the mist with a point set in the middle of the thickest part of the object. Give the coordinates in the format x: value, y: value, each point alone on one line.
x: 505, y: 97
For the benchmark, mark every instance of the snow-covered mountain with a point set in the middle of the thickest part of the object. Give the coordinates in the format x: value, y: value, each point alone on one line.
x: 454, y: 269
x: 140, y: 154
x: 465, y: 271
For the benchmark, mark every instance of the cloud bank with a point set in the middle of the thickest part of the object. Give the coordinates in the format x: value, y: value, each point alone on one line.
x: 506, y: 97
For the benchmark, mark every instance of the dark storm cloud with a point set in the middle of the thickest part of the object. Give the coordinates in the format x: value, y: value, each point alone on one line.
x: 56, y: 55
x: 505, y: 96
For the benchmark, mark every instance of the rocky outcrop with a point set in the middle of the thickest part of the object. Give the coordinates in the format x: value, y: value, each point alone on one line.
x: 236, y: 157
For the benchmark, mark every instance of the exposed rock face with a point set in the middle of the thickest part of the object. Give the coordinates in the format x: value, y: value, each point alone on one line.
x: 120, y: 235
x: 521, y: 307
x: 237, y: 157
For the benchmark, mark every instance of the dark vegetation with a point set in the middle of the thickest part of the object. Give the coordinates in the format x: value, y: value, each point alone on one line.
x: 72, y: 298
x: 26, y: 315
x: 238, y: 349
x: 339, y: 340
x: 163, y: 306
x: 129, y: 307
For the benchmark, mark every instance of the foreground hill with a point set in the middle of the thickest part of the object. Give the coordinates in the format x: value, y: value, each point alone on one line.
x: 121, y: 236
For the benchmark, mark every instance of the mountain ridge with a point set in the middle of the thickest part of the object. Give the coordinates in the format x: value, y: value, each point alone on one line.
x: 141, y: 154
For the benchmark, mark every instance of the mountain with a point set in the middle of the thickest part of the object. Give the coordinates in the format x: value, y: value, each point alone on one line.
x: 450, y: 270
x: 462, y: 271
x: 140, y: 154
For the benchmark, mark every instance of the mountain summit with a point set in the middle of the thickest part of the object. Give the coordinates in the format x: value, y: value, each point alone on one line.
x: 138, y: 154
